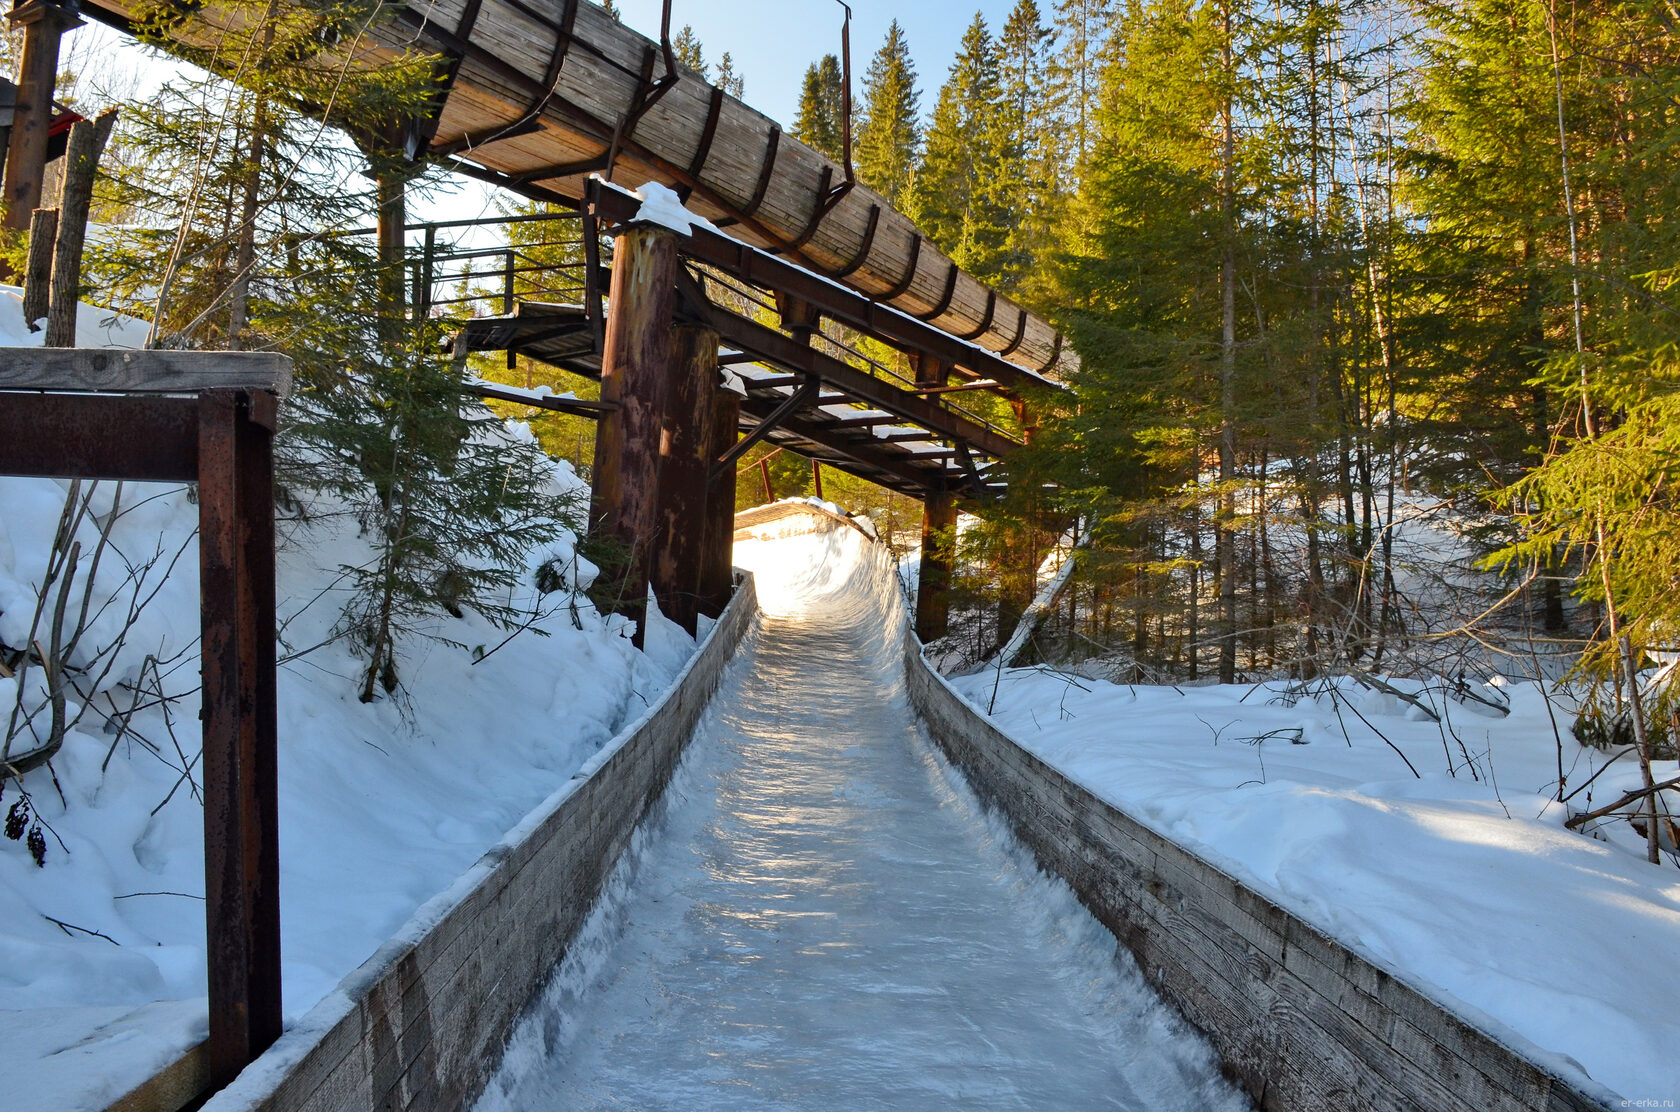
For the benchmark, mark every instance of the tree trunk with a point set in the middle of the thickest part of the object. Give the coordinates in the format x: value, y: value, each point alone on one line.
x: 1224, y: 537
x: 81, y: 159
x: 37, y: 278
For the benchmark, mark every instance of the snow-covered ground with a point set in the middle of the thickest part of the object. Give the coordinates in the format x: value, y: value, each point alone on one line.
x: 382, y: 805
x: 1465, y: 882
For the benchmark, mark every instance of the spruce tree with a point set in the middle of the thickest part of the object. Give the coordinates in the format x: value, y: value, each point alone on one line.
x: 889, y: 131
x: 685, y: 44
x: 1024, y: 189
x: 821, y: 107
x: 1083, y: 28
x: 953, y: 200
x: 728, y: 80
x: 265, y: 247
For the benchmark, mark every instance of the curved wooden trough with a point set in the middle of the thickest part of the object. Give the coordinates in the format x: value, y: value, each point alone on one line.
x: 1302, y: 1022
x: 537, y: 95
x: 423, y: 1022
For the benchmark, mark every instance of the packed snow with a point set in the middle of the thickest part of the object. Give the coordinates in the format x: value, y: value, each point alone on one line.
x: 1463, y: 879
x: 382, y: 805
x: 821, y: 915
x: 661, y: 206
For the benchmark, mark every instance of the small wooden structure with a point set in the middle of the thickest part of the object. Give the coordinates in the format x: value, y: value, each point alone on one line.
x: 205, y: 418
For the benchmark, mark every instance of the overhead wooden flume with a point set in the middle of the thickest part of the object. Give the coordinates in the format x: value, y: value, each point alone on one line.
x: 540, y: 94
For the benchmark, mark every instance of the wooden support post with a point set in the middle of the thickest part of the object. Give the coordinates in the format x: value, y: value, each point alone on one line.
x: 44, y: 24
x: 241, y: 824
x: 716, y: 583
x: 635, y: 375
x: 685, y: 466
x: 1027, y: 415
x: 816, y: 478
x: 939, y: 533
x: 392, y: 196
x: 933, y: 593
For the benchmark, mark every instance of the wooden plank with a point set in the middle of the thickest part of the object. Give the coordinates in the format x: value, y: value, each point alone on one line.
x: 172, y: 1088
x: 143, y: 372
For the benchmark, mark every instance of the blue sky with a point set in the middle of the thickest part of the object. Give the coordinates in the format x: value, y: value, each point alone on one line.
x: 773, y: 41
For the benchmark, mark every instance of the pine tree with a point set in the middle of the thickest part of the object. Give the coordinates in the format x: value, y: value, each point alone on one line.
x: 889, y: 132
x: 260, y: 203
x: 685, y: 44
x: 953, y: 200
x: 1075, y: 77
x: 728, y: 80
x: 821, y: 108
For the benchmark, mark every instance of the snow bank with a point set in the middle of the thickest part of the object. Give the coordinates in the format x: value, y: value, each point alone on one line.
x: 1469, y: 885
x: 381, y: 805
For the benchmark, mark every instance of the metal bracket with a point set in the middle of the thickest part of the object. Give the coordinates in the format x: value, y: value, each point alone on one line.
x: 945, y: 300
x: 796, y: 401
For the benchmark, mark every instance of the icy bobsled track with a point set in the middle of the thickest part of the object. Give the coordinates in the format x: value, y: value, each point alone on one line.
x: 821, y: 915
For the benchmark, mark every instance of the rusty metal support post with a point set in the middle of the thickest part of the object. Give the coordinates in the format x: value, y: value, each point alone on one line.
x: 933, y: 591
x: 241, y: 845
x: 635, y: 376
x: 684, y: 470
x: 716, y: 584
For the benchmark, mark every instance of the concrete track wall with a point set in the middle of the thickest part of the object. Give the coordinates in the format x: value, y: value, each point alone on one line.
x: 422, y: 1023
x: 1301, y: 1021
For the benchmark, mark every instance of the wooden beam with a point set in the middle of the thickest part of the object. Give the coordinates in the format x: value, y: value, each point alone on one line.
x: 749, y: 264
x: 116, y: 370
x: 241, y: 823
x: 578, y: 407
x: 785, y: 352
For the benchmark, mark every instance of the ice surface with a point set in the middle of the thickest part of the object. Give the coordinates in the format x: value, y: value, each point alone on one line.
x: 823, y: 917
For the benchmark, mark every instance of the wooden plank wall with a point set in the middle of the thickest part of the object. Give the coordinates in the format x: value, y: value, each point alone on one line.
x: 1300, y: 1021
x: 422, y: 1024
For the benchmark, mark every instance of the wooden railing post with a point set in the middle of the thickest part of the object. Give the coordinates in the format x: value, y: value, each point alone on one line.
x: 241, y: 824
x: 939, y: 528
x: 635, y: 379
